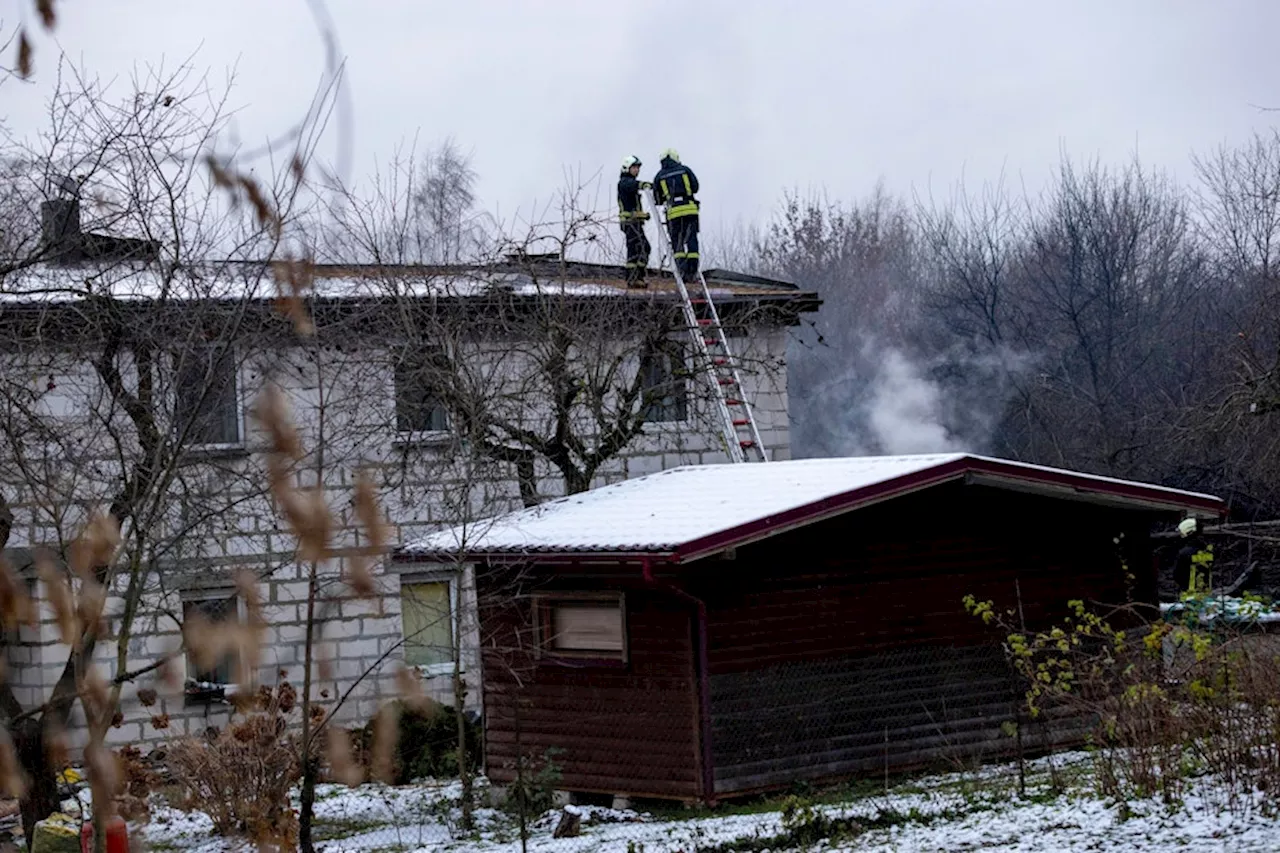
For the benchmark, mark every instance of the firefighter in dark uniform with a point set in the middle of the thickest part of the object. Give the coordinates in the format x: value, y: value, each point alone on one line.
x: 632, y: 216
x: 674, y: 186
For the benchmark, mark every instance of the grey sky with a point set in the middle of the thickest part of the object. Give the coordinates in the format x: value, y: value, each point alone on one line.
x: 757, y: 96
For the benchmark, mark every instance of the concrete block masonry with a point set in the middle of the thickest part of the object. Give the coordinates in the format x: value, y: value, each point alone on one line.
x: 421, y: 490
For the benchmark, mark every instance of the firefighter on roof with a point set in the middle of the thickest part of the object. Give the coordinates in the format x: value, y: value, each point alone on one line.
x: 632, y: 216
x: 674, y: 186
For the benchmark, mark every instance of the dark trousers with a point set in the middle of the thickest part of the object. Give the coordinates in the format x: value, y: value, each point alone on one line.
x: 684, y: 243
x: 637, y: 250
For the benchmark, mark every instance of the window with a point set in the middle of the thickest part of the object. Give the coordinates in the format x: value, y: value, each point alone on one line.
x: 584, y: 625
x: 662, y: 378
x: 218, y: 609
x: 207, y: 406
x: 418, y: 406
x: 426, y: 614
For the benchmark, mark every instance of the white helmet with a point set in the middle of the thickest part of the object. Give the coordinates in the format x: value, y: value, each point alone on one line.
x: 671, y: 154
x: 1187, y: 526
x: 629, y: 161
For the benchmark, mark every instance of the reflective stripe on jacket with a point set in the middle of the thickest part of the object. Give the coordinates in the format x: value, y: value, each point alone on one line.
x: 674, y: 186
x: 629, y: 206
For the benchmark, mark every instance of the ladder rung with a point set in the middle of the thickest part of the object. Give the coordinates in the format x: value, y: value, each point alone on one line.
x: 730, y: 401
x: 711, y: 342
x: 706, y: 322
x: 694, y: 301
x: 742, y: 422
x: 746, y: 443
x: 726, y: 380
x: 720, y: 362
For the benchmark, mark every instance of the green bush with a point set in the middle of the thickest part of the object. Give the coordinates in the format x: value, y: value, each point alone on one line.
x: 427, y: 743
x: 535, y: 783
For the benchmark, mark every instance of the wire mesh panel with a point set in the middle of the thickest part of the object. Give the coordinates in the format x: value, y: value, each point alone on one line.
x: 892, y: 711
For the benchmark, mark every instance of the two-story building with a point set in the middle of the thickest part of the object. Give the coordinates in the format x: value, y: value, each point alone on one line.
x: 130, y: 384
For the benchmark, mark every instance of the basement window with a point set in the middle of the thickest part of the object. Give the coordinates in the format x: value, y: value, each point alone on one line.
x: 582, y: 625
x: 209, y: 684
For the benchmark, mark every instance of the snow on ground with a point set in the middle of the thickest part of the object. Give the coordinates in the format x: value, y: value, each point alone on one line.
x: 977, y: 810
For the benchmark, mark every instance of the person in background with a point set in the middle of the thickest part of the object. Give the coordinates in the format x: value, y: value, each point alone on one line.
x: 1191, y: 571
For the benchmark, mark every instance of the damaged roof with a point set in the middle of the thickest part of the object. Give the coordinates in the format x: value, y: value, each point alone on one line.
x: 685, y: 513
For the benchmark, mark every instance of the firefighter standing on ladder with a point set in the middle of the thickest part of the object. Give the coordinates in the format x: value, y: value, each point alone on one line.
x: 674, y: 186
x: 632, y: 216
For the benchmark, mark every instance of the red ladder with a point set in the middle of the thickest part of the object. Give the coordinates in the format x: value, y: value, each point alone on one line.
x: 739, y: 432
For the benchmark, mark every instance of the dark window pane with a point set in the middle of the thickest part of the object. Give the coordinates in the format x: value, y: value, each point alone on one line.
x: 208, y: 406
x: 662, y: 376
x: 215, y: 610
x: 418, y: 407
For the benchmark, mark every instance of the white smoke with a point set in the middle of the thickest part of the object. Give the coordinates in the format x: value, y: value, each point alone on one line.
x: 878, y: 400
x: 905, y: 409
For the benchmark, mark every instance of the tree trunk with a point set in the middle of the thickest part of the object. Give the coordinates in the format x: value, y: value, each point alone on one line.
x: 464, y: 757
x: 310, y: 755
x: 310, y: 771
x: 41, y: 799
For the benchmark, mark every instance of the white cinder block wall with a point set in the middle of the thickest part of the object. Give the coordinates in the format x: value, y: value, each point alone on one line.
x: 220, y: 520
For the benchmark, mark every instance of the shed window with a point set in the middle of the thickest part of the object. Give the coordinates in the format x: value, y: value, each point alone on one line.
x: 583, y: 626
x: 426, y: 613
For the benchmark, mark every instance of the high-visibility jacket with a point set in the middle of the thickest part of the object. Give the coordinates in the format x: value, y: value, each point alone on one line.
x: 674, y: 185
x: 629, y: 207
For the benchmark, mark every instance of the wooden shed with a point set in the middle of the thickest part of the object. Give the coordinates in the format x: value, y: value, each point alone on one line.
x: 710, y: 631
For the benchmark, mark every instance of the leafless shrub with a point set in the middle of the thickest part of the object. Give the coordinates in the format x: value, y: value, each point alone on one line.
x: 241, y: 778
x: 1164, y: 700
x: 138, y: 780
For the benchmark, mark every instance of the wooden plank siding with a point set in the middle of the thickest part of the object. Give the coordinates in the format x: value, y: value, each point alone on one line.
x: 844, y: 648
x: 836, y: 649
x: 621, y: 728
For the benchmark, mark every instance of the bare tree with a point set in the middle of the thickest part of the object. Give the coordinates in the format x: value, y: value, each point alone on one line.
x: 1238, y: 207
x: 527, y: 359
x: 866, y: 262
x: 118, y: 400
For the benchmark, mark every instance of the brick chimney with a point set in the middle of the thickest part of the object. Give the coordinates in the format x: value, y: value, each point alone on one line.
x: 60, y: 229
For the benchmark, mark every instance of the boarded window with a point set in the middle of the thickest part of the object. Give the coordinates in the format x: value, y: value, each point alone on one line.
x: 583, y: 626
x: 220, y: 610
x: 207, y: 404
x: 418, y: 405
x: 662, y: 378
x: 427, y: 619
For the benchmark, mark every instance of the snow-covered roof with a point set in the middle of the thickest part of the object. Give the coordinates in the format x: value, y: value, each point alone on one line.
x: 684, y: 513
x: 58, y: 283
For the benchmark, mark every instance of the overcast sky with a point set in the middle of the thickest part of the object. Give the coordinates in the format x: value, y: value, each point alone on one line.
x: 757, y: 96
